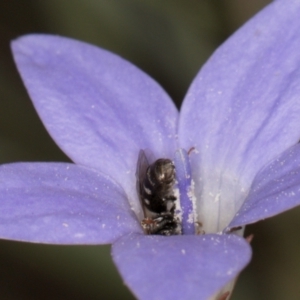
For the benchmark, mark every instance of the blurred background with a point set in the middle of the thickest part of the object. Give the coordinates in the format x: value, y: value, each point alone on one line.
x: 170, y: 40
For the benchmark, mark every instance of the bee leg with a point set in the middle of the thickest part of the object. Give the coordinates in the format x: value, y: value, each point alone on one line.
x: 153, y: 226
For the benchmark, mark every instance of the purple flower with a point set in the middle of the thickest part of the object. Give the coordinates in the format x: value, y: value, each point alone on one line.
x: 240, y: 115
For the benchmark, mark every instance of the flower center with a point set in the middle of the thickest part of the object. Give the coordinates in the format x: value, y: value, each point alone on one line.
x: 173, y: 204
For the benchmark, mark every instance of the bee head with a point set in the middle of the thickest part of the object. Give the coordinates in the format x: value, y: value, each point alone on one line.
x: 164, y: 171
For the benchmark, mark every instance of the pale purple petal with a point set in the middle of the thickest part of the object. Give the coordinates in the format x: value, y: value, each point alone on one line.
x: 179, y: 267
x: 274, y: 190
x: 100, y: 109
x: 243, y: 108
x: 62, y: 203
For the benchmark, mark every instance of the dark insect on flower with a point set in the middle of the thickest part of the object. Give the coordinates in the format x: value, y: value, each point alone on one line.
x: 155, y: 182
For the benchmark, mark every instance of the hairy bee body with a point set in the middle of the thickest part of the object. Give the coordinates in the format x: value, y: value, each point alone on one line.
x: 155, y: 184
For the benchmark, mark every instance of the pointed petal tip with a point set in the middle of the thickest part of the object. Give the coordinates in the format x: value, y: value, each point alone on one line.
x: 19, y: 42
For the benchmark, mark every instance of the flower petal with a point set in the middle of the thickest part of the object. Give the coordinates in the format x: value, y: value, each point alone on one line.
x: 100, y: 109
x: 62, y: 203
x: 243, y: 108
x: 179, y: 267
x: 275, y: 189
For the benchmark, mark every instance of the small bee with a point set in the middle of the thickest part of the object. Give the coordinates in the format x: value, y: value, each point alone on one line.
x: 155, y: 183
